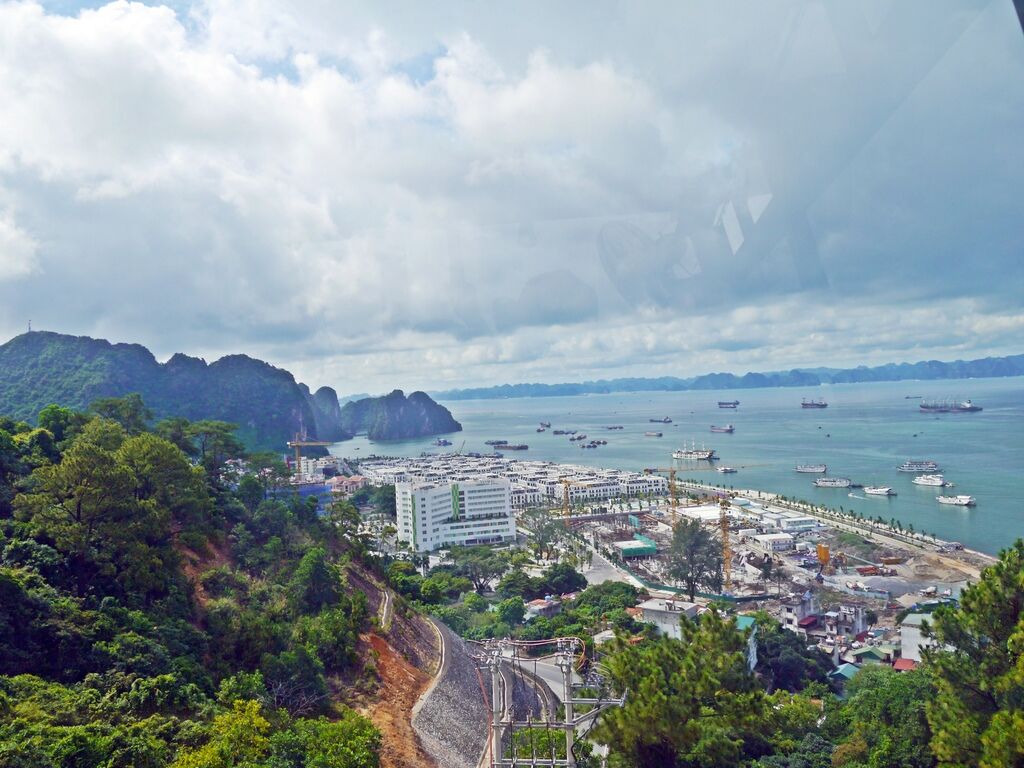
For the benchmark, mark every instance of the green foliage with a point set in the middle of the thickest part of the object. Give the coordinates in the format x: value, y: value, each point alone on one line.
x: 396, y: 417
x: 129, y: 411
x: 481, y: 565
x: 783, y: 658
x: 696, y: 557
x: 977, y: 715
x: 557, y: 579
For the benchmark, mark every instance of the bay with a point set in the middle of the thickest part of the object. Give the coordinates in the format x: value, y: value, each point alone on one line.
x: 867, y: 430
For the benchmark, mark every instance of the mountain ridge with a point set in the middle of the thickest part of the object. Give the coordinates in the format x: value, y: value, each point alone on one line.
x: 1011, y: 365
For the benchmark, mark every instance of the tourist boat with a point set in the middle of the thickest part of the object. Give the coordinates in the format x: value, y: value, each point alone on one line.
x: 879, y: 490
x: 496, y: 442
x: 936, y: 480
x: 615, y: 426
x: 814, y: 469
x: 949, y: 406
x: 819, y: 403
x: 693, y: 453
x: 727, y: 470
x: 442, y: 442
x: 727, y: 429
x: 912, y: 465
x: 546, y: 424
x: 662, y: 420
x: 832, y: 482
x: 652, y: 434
x: 956, y: 501
x: 541, y: 429
x: 728, y: 403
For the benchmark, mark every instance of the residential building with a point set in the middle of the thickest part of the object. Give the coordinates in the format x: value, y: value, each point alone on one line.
x: 546, y: 607
x: 912, y: 639
x: 436, y: 515
x: 664, y: 614
x: 775, y: 542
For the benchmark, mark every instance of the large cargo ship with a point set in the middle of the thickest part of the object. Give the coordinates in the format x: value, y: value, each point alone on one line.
x: 949, y: 406
x: 727, y: 429
x: 728, y: 403
x: 811, y: 468
x: 819, y: 403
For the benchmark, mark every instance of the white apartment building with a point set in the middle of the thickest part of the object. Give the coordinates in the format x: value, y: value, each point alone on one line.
x: 436, y: 515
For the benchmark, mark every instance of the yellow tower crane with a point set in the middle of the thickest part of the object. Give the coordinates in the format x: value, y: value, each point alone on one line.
x: 673, y: 499
x: 301, y: 442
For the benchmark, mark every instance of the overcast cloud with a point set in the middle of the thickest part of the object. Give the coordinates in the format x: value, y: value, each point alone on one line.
x: 430, y: 198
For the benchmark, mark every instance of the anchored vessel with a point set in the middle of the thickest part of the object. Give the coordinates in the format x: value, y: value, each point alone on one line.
x: 833, y: 482
x: 819, y: 403
x: 662, y: 420
x: 956, y: 501
x: 728, y: 429
x: 652, y: 434
x: 546, y: 424
x: 442, y: 442
x: 937, y: 480
x: 727, y: 470
x: 693, y: 453
x: 877, y: 490
x: 912, y: 465
x: 814, y: 469
x: 728, y: 403
x: 948, y: 406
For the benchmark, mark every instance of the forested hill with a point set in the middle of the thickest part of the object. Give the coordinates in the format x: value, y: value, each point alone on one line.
x: 926, y: 370
x: 396, y: 417
x: 269, y: 407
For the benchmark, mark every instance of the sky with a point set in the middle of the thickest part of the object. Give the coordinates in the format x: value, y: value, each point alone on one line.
x: 437, y: 195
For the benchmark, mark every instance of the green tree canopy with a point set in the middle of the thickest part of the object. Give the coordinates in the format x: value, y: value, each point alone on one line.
x: 695, y: 557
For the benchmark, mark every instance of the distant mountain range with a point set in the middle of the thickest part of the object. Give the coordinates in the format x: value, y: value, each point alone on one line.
x: 925, y: 370
x: 267, y: 404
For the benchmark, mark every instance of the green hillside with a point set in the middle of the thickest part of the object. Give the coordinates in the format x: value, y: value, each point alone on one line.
x: 397, y: 417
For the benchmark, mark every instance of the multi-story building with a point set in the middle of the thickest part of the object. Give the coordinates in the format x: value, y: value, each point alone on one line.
x: 436, y: 515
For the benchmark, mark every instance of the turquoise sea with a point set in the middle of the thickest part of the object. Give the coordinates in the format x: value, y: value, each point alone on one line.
x: 867, y: 430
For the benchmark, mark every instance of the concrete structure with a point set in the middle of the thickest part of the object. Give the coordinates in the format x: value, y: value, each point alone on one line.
x: 346, y: 486
x: 795, y: 612
x: 432, y: 516
x: 665, y: 614
x: 638, y: 546
x: 543, y: 606
x: 775, y: 542
x: 912, y: 639
x: 846, y: 620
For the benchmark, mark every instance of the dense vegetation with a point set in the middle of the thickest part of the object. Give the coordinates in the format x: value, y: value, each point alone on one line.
x: 269, y: 407
x: 158, y: 609
x: 396, y: 417
x: 925, y: 370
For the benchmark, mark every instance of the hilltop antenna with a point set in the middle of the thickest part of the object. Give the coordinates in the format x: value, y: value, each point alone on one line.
x: 30, y: 326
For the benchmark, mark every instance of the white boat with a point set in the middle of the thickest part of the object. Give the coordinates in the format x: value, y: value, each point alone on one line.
x: 912, y: 465
x: 693, y: 453
x: 652, y: 434
x: 936, y: 480
x: 817, y: 469
x: 727, y: 470
x: 875, y: 490
x: 833, y: 482
x: 957, y: 501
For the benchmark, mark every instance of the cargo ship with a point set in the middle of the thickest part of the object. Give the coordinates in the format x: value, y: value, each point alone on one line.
x: 728, y: 403
x: 819, y: 403
x: 662, y: 420
x: 727, y: 429
x: 949, y: 406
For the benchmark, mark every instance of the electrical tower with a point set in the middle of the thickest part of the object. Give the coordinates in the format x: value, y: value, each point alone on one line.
x: 504, y: 659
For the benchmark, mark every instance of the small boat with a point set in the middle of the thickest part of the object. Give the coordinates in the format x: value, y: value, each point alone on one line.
x: 541, y: 429
x: 615, y: 426
x: 912, y: 397
x: 936, y: 480
x: 517, y: 447
x: 496, y: 442
x: 913, y: 465
x: 652, y: 434
x: 442, y: 442
x: 819, y: 403
x: 817, y: 469
x: 728, y: 403
x: 727, y: 470
x: 546, y: 424
x: 727, y: 429
x: 879, y: 490
x: 832, y: 482
x: 957, y: 501
x: 662, y: 420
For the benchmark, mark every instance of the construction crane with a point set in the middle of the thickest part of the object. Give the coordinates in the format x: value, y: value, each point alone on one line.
x: 673, y: 499
x: 565, y: 495
x: 301, y: 442
x: 723, y: 524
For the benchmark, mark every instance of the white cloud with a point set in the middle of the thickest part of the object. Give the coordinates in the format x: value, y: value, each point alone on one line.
x: 17, y: 249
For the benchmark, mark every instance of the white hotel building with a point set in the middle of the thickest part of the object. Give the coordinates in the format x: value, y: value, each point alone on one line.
x: 432, y: 515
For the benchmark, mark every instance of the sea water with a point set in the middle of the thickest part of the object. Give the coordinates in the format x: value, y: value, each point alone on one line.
x: 864, y: 434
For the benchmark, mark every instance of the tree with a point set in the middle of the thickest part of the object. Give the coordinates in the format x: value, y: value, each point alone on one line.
x: 62, y: 423
x: 546, y: 530
x: 977, y: 716
x: 175, y: 430
x: 480, y: 564
x: 690, y: 703
x: 215, y: 443
x: 128, y: 411
x: 695, y: 557
x: 239, y: 738
x: 511, y: 611
x: 315, y: 584
x: 784, y: 658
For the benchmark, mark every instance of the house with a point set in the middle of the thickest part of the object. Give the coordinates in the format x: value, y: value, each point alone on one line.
x: 843, y: 674
x: 904, y: 665
x: 346, y: 486
x: 799, y: 615
x: 664, y: 614
x: 775, y: 542
x: 912, y: 638
x: 545, y: 607
x: 871, y: 654
x: 847, y: 620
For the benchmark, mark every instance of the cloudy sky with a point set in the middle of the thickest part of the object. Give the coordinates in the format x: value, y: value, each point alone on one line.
x: 476, y: 193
